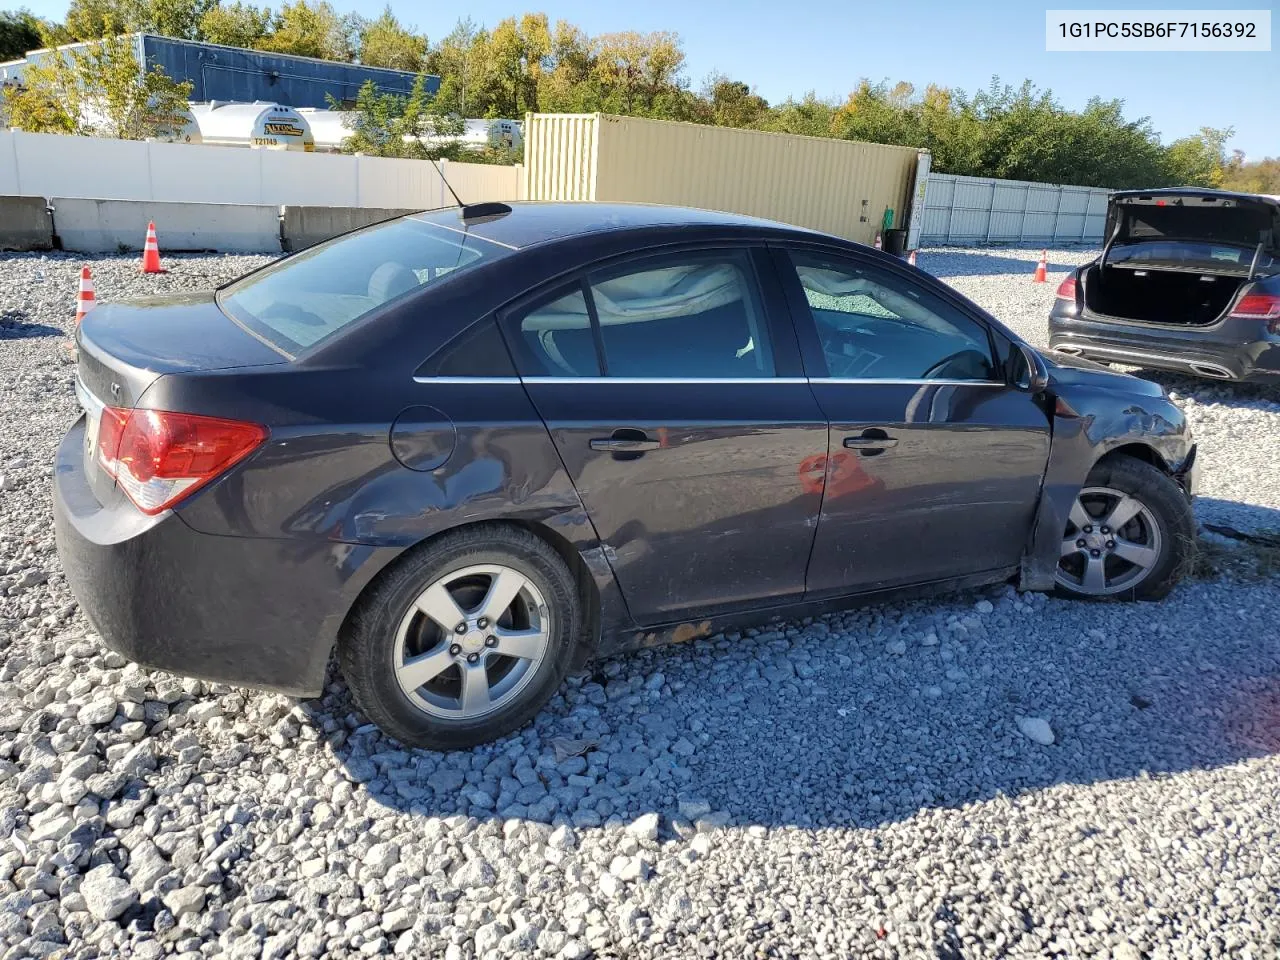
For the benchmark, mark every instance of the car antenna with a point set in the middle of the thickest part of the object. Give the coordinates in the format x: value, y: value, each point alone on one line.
x: 473, y: 212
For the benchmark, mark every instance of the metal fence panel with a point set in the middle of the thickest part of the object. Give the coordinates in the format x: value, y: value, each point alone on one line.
x: 988, y: 210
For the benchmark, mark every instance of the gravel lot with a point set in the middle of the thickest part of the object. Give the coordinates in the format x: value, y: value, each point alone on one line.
x: 868, y: 784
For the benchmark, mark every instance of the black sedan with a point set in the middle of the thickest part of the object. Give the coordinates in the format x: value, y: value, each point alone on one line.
x: 474, y: 449
x: 1189, y: 281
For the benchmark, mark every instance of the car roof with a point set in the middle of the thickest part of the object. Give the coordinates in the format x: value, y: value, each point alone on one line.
x: 1197, y: 192
x: 529, y: 224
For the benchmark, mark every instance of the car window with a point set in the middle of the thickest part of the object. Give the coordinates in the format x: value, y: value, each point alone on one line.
x: 694, y: 316
x: 558, y: 335
x: 875, y: 325
x: 312, y: 295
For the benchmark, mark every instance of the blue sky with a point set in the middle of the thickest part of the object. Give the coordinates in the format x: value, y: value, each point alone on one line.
x: 784, y: 48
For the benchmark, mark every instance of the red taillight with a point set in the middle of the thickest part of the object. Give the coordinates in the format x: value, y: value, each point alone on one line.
x: 158, y: 458
x: 1260, y: 306
x: 1067, y: 288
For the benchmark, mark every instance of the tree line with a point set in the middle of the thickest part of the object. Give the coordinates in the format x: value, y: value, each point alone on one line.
x: 528, y: 63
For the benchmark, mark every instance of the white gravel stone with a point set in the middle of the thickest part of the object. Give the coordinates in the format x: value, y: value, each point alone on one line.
x: 1037, y: 729
x: 105, y: 894
x: 97, y: 712
x: 645, y: 827
x: 185, y: 900
x: 842, y: 799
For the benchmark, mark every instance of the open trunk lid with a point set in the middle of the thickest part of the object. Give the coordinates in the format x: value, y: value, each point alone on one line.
x: 1202, y: 231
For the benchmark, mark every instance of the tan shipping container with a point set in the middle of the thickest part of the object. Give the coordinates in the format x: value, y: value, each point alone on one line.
x: 838, y: 186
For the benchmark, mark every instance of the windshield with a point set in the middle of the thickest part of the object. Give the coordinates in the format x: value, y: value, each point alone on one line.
x: 309, y: 297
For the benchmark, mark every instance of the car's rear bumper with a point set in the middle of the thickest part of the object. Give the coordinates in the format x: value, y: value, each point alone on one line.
x: 251, y: 612
x: 1228, y: 350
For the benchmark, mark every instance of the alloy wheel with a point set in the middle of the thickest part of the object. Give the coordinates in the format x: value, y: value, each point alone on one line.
x: 1111, y: 544
x: 471, y: 641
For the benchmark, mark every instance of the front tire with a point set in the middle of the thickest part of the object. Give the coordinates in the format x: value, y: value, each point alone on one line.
x: 463, y: 641
x: 1131, y: 534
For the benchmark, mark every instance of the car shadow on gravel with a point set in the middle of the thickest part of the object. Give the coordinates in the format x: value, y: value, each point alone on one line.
x: 945, y: 262
x: 14, y: 325
x: 869, y: 716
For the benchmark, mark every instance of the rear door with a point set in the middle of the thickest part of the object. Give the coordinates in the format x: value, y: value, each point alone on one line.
x: 935, y: 462
x: 671, y: 385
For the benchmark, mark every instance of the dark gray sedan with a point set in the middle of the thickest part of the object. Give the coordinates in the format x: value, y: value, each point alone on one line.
x: 475, y: 449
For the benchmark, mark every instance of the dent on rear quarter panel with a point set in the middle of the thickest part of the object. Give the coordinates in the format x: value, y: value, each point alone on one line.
x: 1080, y: 442
x: 338, y: 490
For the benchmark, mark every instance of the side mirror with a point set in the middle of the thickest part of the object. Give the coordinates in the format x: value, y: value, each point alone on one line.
x: 1031, y: 374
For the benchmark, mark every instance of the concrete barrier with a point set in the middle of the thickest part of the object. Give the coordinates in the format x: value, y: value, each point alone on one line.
x: 109, y: 226
x: 25, y: 224
x: 302, y: 227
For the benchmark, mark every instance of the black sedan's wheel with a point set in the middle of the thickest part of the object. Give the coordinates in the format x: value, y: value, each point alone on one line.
x: 1130, y: 534
x: 464, y: 641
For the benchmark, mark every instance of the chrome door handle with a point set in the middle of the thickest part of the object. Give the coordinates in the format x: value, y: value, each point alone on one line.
x: 869, y: 444
x: 618, y: 445
x: 862, y: 443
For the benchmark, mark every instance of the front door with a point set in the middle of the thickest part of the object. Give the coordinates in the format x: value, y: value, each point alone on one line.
x: 671, y: 387
x: 934, y: 461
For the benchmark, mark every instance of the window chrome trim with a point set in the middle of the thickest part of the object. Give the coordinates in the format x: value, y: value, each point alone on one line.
x: 706, y: 380
x: 472, y: 380
x: 670, y: 380
x: 911, y: 383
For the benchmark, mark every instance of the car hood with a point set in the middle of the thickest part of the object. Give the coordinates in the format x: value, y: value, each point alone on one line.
x: 1067, y: 371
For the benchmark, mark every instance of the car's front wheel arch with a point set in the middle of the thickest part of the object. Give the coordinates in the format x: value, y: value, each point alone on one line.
x: 1154, y: 549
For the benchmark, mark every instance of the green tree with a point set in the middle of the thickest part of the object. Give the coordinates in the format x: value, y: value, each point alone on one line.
x: 385, y: 42
x: 1254, y: 176
x: 235, y: 24
x: 99, y: 91
x: 177, y: 18
x: 391, y: 125
x: 1199, y: 160
x: 732, y: 103
x: 19, y: 34
x: 810, y: 116
x: 94, y: 19
x: 310, y: 29
x: 520, y: 51
x: 639, y: 72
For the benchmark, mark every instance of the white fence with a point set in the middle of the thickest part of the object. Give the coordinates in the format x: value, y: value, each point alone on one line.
x: 986, y: 210
x: 46, y: 165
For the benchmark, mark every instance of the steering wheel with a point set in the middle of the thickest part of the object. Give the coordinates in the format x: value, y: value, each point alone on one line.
x: 945, y: 361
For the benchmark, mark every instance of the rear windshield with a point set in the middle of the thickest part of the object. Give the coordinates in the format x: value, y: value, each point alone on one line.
x: 1190, y: 255
x: 1226, y: 222
x: 309, y: 297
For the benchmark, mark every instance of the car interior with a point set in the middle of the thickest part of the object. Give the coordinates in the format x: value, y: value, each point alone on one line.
x: 871, y: 331
x: 687, y: 320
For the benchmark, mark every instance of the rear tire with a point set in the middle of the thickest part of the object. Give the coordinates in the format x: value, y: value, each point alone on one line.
x: 442, y: 685
x: 1131, y: 535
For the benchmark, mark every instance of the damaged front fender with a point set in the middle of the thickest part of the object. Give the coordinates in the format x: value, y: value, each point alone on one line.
x: 1090, y: 421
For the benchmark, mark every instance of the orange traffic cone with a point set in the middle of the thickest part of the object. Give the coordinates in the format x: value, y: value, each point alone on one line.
x: 1041, y: 268
x: 911, y: 258
x: 151, y: 252
x: 85, y: 300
